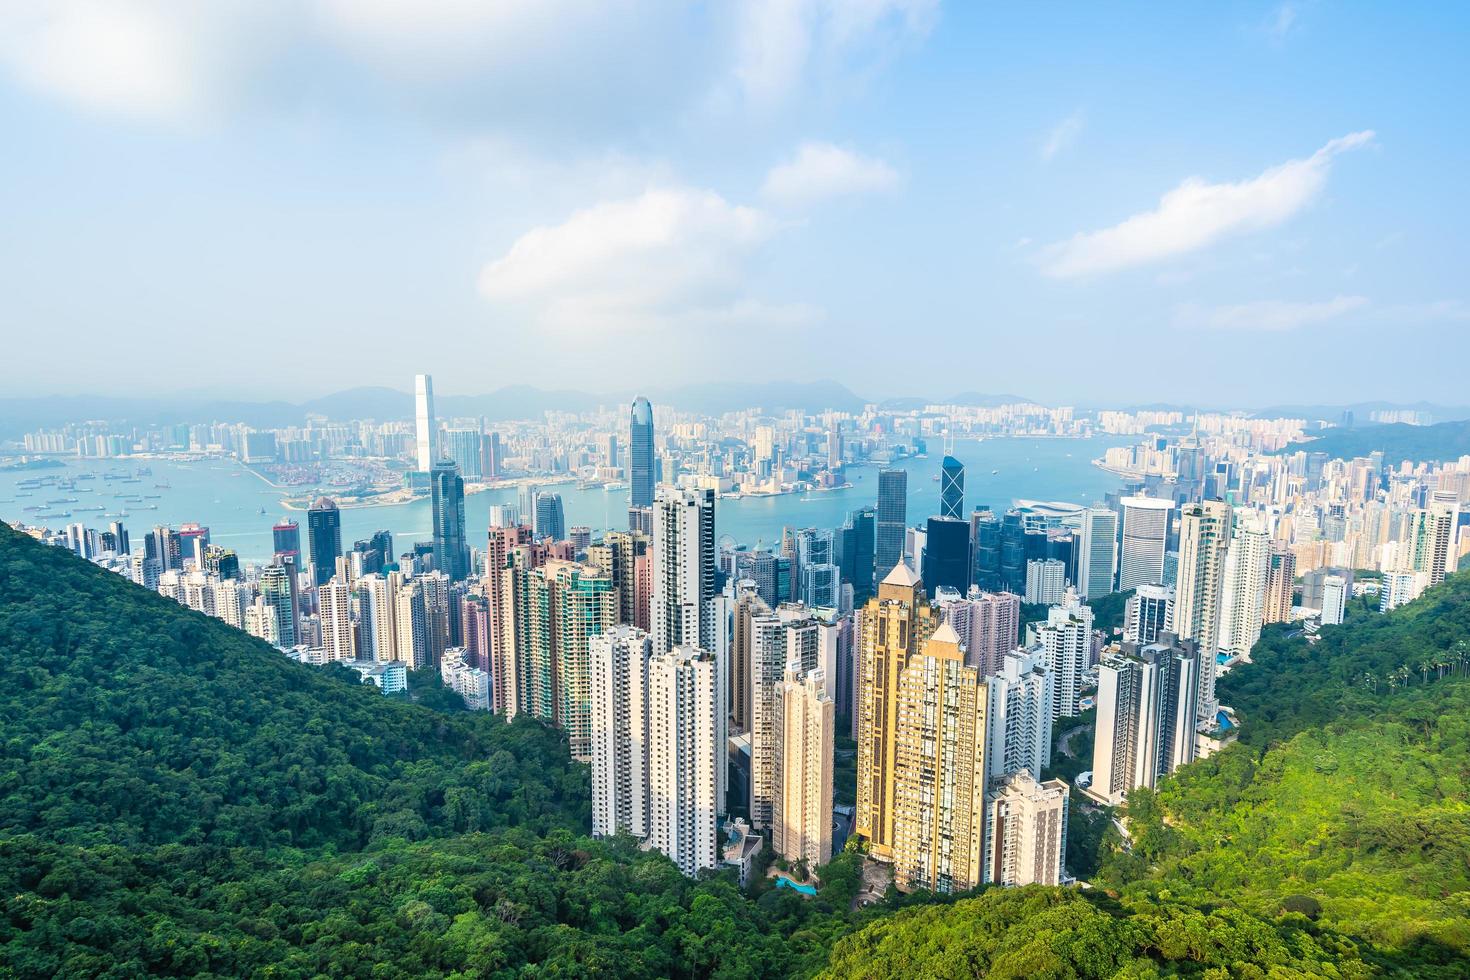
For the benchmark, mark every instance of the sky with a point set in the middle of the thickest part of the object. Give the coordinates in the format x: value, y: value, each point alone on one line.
x: 1240, y: 203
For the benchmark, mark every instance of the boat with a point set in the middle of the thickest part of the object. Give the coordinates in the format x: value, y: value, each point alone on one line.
x: 994, y: 472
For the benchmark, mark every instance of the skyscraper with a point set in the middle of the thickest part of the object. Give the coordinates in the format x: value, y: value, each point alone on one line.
x: 550, y: 517
x: 951, y: 490
x: 324, y: 534
x: 939, y: 769
x: 1145, y: 538
x: 277, y: 586
x: 1334, y: 599
x: 1147, y: 613
x: 855, y: 554
x: 467, y: 448
x: 894, y: 624
x: 684, y: 576
x: 801, y: 819
x: 338, y: 638
x: 685, y: 752
x: 1246, y: 570
x: 1204, y: 540
x: 620, y: 719
x: 446, y: 491
x: 1019, y: 715
x: 892, y: 511
x: 1067, y: 640
x: 640, y: 454
x: 947, y: 554
x: 1097, y: 557
x: 1280, y: 586
x: 1146, y: 716
x: 426, y: 427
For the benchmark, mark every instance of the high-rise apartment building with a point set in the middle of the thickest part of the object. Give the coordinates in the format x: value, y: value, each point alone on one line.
x: 1026, y: 834
x: 1204, y: 540
x: 1147, y: 613
x: 685, y: 753
x: 1046, y: 581
x: 1335, y: 590
x: 893, y: 496
x: 1020, y: 706
x: 1066, y: 640
x: 684, y: 569
x: 1247, y: 567
x: 640, y: 454
x: 338, y: 636
x: 801, y: 818
x: 466, y: 448
x: 1280, y: 586
x: 426, y: 427
x: 894, y: 624
x: 939, y: 773
x: 277, y: 586
x: 1146, y: 716
x: 620, y: 715
x: 988, y: 623
x: 1145, y: 538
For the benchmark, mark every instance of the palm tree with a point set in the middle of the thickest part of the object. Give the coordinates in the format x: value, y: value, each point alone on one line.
x: 1425, y: 666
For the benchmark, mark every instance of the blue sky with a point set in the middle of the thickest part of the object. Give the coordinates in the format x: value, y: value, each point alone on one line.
x: 1230, y: 203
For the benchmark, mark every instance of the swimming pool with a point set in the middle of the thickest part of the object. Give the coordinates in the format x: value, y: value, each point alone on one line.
x: 808, y: 890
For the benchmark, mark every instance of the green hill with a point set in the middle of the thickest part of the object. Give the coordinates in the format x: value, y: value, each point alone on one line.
x: 177, y: 798
x: 1440, y: 442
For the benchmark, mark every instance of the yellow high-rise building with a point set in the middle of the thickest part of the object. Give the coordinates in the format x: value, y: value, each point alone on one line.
x: 939, y: 776
x: 892, y: 625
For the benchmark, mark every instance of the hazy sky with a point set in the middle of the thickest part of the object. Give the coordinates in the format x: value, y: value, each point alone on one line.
x: 1239, y: 203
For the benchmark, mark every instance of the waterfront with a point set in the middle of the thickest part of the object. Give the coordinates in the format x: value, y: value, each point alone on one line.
x: 228, y: 498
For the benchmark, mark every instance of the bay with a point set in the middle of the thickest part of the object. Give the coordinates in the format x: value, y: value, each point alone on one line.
x: 227, y: 498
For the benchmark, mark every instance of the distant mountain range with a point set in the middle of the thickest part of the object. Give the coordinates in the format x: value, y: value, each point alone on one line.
x: 1398, y: 442
x: 21, y: 415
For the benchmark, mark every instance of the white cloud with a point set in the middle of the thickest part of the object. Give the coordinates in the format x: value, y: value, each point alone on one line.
x: 670, y: 256
x: 1197, y: 214
x: 820, y: 171
x: 780, y: 42
x: 1062, y: 136
x: 1267, y: 315
x: 1281, y: 21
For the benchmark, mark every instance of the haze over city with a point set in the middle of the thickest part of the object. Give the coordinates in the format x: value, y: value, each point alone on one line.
x: 282, y: 200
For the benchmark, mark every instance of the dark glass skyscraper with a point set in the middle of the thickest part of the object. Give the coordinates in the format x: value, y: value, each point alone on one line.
x: 947, y: 555
x: 324, y: 534
x: 377, y: 552
x: 1013, y: 552
x: 893, y: 499
x: 951, y: 491
x: 985, y: 548
x: 551, y: 521
x: 446, y: 493
x: 640, y: 453
x: 855, y: 554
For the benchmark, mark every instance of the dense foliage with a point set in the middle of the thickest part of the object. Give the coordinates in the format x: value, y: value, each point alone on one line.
x: 177, y: 798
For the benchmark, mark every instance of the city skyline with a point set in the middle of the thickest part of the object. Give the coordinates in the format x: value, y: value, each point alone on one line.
x: 793, y: 179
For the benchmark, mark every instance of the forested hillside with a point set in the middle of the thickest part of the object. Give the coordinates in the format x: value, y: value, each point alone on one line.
x: 177, y: 798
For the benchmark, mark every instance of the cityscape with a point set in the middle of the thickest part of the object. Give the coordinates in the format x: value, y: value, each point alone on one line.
x: 737, y: 490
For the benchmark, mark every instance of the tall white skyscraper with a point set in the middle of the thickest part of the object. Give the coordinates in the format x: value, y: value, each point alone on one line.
x: 1245, y: 584
x: 335, y: 600
x: 378, y: 614
x: 426, y: 427
x: 1067, y: 641
x: 1145, y: 537
x: 620, y: 716
x: 684, y: 568
x: 1334, y: 600
x: 1204, y: 540
x: 1018, y: 719
x: 684, y: 756
x: 801, y: 821
x: 1097, y: 553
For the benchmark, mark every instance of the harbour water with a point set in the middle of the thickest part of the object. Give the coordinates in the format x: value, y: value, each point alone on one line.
x: 228, y: 498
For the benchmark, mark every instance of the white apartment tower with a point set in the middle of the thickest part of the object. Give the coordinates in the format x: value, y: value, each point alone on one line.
x: 1246, y: 568
x: 1204, y: 540
x: 338, y: 639
x: 620, y: 659
x: 1066, y: 640
x: 1026, y: 834
x: 1147, y: 613
x: 1018, y: 718
x: 684, y: 756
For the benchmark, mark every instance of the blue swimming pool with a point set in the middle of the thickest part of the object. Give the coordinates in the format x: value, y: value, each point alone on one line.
x: 808, y: 890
